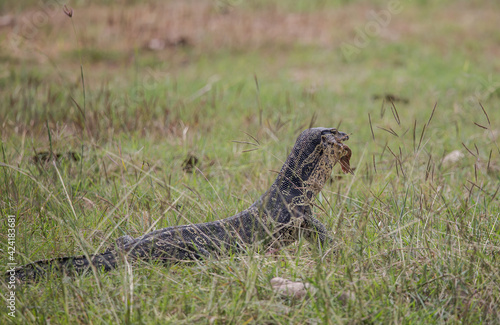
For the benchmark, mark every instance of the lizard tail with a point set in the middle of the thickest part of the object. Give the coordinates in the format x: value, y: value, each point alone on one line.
x: 71, y: 265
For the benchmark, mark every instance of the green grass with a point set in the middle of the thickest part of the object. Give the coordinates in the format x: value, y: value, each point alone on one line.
x: 417, y: 239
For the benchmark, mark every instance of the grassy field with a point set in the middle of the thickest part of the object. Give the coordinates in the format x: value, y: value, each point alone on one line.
x: 417, y: 230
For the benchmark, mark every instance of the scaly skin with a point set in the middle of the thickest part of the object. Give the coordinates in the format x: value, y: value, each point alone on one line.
x: 279, y: 217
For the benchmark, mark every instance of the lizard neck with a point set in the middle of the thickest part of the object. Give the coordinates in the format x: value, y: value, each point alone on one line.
x: 302, y: 176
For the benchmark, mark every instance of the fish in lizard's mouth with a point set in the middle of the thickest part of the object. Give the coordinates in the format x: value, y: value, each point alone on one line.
x: 341, y: 152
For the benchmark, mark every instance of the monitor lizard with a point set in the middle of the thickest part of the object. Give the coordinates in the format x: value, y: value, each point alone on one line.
x: 279, y: 217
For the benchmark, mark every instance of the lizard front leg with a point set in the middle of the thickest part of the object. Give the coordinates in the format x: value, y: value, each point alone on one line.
x: 311, y: 228
x: 315, y: 232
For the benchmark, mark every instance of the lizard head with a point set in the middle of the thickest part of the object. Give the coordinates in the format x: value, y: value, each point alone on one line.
x: 311, y: 161
x: 312, y: 158
x: 319, y: 146
x: 326, y: 150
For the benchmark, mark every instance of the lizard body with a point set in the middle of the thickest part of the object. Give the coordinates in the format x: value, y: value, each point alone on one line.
x: 279, y: 217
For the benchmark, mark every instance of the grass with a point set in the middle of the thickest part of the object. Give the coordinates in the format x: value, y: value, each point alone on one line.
x: 418, y: 239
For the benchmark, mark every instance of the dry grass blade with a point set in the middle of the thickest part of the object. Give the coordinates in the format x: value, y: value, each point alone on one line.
x: 421, y: 137
x: 371, y: 127
x: 254, y: 138
x: 481, y: 126
x: 395, y: 113
x: 489, y: 161
x: 250, y: 150
x: 463, y: 144
x: 432, y: 114
x: 485, y: 114
x: 477, y: 149
x: 68, y: 11
x: 313, y: 120
x: 245, y: 142
x: 414, y: 133
x: 389, y: 130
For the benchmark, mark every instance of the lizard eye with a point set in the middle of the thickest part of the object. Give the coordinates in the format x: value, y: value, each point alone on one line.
x: 329, y: 131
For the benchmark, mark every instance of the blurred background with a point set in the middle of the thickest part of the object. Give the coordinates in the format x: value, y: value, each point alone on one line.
x: 245, y: 62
